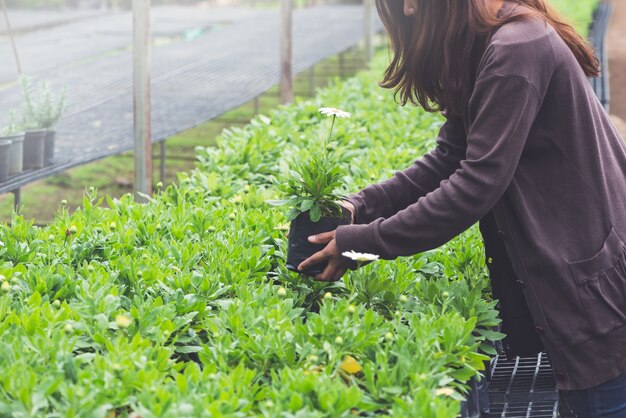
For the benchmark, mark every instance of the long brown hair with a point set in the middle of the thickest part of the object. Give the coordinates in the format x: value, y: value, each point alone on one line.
x: 444, y: 36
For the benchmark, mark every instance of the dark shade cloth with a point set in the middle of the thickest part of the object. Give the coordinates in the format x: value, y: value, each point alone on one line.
x: 537, y: 151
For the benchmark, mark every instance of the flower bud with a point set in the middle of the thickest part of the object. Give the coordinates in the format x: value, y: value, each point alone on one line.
x: 123, y: 321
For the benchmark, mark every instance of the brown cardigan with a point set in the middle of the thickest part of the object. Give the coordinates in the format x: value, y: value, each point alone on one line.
x: 538, y: 160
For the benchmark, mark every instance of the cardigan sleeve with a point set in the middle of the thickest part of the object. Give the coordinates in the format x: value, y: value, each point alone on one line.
x: 502, y: 110
x: 406, y: 187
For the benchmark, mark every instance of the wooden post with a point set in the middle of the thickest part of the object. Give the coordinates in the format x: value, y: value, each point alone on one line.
x: 162, y: 161
x: 141, y: 101
x: 286, y: 51
x: 312, y: 81
x: 10, y: 31
x: 367, y: 27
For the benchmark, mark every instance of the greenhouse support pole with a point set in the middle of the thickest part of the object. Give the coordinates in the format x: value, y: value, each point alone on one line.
x: 141, y: 99
x: 10, y: 31
x: 162, y: 162
x: 286, y: 52
x: 17, y: 199
x: 367, y: 27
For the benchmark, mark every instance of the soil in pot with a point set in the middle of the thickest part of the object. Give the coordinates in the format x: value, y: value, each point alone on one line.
x: 16, y: 153
x: 48, y: 152
x: 4, y: 159
x: 299, y: 246
x: 34, y: 145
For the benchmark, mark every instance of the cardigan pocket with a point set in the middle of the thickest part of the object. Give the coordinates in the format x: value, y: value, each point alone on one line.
x: 601, y: 282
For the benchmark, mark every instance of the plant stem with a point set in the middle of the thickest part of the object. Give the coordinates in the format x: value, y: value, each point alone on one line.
x: 332, y: 125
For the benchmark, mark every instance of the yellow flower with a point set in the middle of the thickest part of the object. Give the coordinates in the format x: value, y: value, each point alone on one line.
x: 350, y: 365
x: 123, y: 321
x: 445, y: 391
x: 281, y: 291
x: 6, y: 286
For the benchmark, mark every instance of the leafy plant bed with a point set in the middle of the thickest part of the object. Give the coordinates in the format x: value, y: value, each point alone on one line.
x: 184, y: 306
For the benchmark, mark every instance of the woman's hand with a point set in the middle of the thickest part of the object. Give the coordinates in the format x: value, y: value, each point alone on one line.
x: 337, y: 264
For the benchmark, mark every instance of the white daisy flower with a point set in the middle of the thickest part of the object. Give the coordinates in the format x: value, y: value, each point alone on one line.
x: 331, y: 111
x: 360, y: 256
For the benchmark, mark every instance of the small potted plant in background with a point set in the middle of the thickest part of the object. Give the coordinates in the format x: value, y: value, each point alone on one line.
x: 14, y: 133
x: 311, y: 194
x: 42, y: 111
x: 4, y: 159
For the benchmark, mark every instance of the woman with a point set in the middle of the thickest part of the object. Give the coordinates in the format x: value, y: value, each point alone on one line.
x: 529, y: 151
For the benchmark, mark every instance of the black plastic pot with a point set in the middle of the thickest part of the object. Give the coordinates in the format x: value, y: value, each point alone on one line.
x: 299, y: 246
x: 34, y: 146
x: 48, y: 148
x: 4, y: 159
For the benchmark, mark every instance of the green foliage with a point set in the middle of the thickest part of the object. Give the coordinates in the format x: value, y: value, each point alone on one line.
x: 579, y: 12
x: 311, y: 188
x: 12, y: 127
x: 42, y: 108
x: 216, y: 323
x: 311, y: 184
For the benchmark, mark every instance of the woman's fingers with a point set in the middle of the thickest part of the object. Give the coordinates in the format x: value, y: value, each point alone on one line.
x: 336, y: 266
x: 323, y: 238
x: 316, y: 258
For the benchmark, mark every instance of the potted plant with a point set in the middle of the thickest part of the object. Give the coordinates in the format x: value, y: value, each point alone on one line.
x: 42, y: 111
x: 14, y: 133
x: 4, y: 159
x: 311, y: 194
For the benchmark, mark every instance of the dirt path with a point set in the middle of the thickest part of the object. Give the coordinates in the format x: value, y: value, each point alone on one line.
x: 616, y: 48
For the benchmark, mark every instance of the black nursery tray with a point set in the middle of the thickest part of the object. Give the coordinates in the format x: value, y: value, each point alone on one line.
x: 522, y: 387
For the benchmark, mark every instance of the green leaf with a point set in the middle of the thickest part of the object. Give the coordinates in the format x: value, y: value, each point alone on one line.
x: 306, y: 205
x: 316, y: 213
x: 186, y: 349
